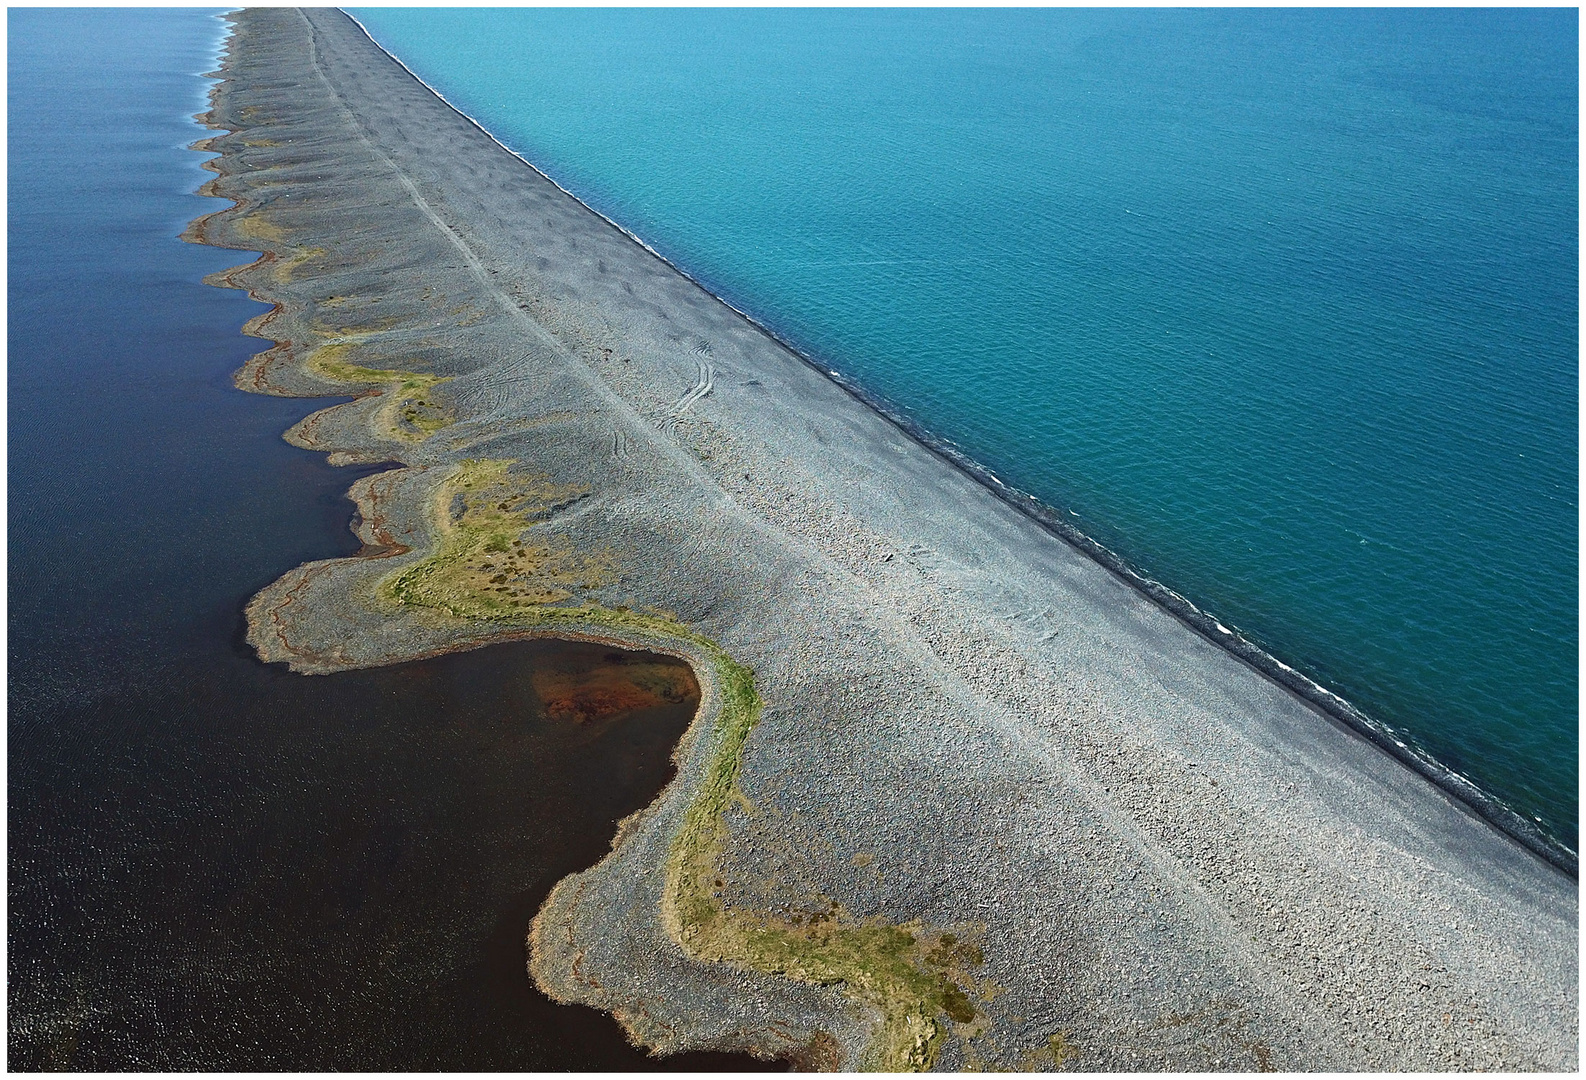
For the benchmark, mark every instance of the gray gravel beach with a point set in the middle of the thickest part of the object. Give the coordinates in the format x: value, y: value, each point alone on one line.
x: 1127, y: 849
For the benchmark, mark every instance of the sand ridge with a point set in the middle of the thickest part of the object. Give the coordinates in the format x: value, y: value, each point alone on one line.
x: 965, y: 728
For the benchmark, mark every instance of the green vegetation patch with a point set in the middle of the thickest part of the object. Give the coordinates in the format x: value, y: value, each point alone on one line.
x: 294, y: 262
x: 489, y: 565
x: 409, y: 414
x: 1057, y: 1053
x: 914, y: 977
x: 253, y: 226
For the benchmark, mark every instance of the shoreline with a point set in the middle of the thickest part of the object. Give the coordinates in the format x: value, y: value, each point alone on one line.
x: 904, y: 786
x: 1485, y: 805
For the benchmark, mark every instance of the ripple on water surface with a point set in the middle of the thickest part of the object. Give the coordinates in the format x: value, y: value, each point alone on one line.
x: 1282, y: 304
x: 214, y: 864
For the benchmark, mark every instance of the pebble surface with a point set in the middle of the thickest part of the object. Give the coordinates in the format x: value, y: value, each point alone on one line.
x: 1169, y: 862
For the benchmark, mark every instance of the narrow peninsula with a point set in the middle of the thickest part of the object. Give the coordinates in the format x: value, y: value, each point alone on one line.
x: 956, y: 795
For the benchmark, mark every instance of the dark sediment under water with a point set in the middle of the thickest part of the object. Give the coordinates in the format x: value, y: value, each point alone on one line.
x: 214, y: 864
x: 1280, y: 305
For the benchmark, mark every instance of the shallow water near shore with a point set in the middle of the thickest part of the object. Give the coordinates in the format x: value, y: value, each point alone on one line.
x: 1279, y: 305
x: 214, y: 864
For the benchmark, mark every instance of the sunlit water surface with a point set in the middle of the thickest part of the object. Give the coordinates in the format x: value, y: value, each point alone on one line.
x: 1278, y: 304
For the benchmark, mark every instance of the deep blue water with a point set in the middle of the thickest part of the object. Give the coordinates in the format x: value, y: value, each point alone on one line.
x: 1281, y: 305
x: 215, y: 864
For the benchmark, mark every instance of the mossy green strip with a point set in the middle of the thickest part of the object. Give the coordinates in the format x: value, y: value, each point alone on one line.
x: 408, y: 414
x: 914, y: 977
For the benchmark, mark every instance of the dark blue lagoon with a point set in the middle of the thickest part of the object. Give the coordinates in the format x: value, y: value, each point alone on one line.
x: 214, y: 864
x: 1279, y: 305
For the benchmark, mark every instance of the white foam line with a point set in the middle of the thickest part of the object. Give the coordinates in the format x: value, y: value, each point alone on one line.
x: 840, y: 381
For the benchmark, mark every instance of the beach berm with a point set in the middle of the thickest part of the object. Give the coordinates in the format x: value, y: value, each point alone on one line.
x: 956, y: 795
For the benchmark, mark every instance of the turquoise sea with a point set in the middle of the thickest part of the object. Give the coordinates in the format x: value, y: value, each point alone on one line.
x: 1280, y: 305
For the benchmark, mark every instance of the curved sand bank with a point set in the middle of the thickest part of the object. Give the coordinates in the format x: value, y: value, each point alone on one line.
x: 989, y: 804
